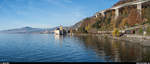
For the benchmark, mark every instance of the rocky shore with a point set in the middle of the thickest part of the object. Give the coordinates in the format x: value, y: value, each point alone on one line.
x: 143, y: 40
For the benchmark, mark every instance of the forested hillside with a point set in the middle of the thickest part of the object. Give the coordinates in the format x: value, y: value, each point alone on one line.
x: 129, y: 17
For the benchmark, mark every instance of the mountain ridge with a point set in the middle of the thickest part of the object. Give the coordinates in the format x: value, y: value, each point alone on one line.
x: 27, y: 29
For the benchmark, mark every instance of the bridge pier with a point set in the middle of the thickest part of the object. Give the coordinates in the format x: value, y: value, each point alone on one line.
x: 96, y: 15
x: 102, y: 13
x: 116, y: 13
x: 139, y: 8
x: 138, y: 3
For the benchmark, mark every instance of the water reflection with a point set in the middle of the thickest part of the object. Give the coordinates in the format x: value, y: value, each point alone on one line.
x: 115, y: 50
x: 76, y: 48
x: 58, y: 37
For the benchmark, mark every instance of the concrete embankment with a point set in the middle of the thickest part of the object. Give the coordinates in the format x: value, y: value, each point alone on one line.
x: 143, y: 40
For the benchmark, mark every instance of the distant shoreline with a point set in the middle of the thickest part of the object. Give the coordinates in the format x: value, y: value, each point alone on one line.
x: 143, y: 40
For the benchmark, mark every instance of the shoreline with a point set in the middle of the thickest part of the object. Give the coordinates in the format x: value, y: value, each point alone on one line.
x: 142, y: 40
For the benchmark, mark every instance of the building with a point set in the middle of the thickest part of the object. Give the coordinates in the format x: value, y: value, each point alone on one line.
x: 59, y: 31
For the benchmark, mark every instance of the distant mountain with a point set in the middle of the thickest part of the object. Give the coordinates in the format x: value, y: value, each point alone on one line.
x: 28, y: 30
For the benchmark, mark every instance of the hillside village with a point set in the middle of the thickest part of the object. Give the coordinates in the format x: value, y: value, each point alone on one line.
x: 127, y: 17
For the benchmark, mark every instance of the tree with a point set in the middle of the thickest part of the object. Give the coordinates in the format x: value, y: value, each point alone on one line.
x: 134, y: 17
x: 116, y: 32
x: 124, y: 22
x: 147, y: 14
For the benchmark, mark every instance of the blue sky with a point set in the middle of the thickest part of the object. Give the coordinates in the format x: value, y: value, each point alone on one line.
x: 48, y: 13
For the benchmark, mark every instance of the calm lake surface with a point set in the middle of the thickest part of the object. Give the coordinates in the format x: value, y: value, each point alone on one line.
x: 81, y: 48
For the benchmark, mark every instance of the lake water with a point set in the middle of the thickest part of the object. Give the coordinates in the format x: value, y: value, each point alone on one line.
x: 81, y: 48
